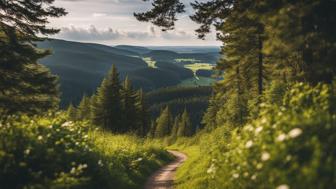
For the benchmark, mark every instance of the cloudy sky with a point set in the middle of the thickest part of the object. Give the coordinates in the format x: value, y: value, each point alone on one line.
x: 111, y: 22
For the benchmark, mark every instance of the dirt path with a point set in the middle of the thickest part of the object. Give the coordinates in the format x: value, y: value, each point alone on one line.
x: 164, y: 178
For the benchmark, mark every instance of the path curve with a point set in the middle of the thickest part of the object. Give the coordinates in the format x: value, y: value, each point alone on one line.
x: 164, y: 178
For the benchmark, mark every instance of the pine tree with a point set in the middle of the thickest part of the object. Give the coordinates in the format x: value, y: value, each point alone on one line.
x: 129, y: 112
x: 142, y: 114
x: 163, y: 123
x: 302, y: 32
x: 240, y: 28
x: 175, y: 128
x: 163, y: 13
x: 25, y: 85
x: 107, y: 110
x: 84, y: 109
x: 72, y: 113
x: 151, y: 132
x: 94, y: 108
x: 185, y: 126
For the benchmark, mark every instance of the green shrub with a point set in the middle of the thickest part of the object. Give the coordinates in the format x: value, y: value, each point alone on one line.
x: 50, y: 152
x: 290, y: 146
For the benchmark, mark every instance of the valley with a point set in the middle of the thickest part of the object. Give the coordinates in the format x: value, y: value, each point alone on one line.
x: 82, y: 66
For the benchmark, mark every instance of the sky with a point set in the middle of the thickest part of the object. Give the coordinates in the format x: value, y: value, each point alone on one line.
x: 111, y: 22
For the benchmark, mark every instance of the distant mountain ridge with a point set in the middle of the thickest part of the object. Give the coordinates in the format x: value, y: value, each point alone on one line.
x: 82, y: 66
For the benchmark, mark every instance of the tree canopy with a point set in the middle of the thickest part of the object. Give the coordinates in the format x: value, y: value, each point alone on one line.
x: 25, y: 85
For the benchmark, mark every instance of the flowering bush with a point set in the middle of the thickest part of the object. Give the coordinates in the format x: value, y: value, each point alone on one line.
x: 50, y: 152
x: 290, y: 146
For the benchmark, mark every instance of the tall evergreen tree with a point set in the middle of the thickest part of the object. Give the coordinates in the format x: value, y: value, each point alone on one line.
x: 25, y: 85
x: 107, y: 109
x: 185, y: 126
x: 84, y: 109
x: 72, y: 113
x: 264, y: 41
x: 151, y: 132
x: 164, y: 123
x: 143, y: 122
x: 94, y: 108
x: 175, y: 127
x: 303, y: 33
x: 129, y: 113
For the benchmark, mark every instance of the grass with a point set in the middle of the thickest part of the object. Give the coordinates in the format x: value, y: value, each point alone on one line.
x: 150, y: 62
x: 199, y: 66
x: 198, y: 81
x: 180, y: 60
x: 135, y: 158
x: 192, y: 174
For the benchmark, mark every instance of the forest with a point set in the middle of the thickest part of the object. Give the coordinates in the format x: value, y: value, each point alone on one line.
x: 266, y: 119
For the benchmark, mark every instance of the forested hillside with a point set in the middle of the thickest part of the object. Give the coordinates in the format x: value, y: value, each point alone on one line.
x: 82, y: 66
x: 193, y: 99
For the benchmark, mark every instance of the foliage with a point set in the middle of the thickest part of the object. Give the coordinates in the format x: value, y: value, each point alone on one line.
x: 115, y: 107
x: 185, y: 127
x: 194, y: 99
x: 164, y: 123
x: 84, y: 108
x: 265, y: 42
x: 163, y: 13
x: 50, y: 152
x: 290, y: 145
x: 25, y: 85
x: 107, y: 111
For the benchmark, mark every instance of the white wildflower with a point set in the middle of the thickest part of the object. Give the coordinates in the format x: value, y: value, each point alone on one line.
x: 236, y: 175
x: 295, y: 132
x: 264, y: 120
x: 249, y: 144
x: 73, y: 170
x: 139, y: 159
x: 27, y: 152
x: 265, y: 156
x: 211, y: 169
x: 259, y: 166
x: 249, y: 127
x: 100, y: 163
x: 281, y: 137
x: 246, y: 174
x: 253, y: 177
x: 258, y: 130
x: 82, y: 166
x: 67, y: 124
x: 283, y: 186
x: 40, y: 137
x: 288, y: 157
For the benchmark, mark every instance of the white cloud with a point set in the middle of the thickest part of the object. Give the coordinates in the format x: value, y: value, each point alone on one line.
x: 97, y: 14
x: 92, y: 33
x: 112, y: 21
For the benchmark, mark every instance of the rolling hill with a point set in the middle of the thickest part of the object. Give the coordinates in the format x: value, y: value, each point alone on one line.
x: 82, y: 66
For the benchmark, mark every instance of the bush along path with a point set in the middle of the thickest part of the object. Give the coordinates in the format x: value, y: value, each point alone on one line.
x: 164, y: 178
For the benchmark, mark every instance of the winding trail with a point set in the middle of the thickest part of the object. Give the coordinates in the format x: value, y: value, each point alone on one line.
x: 164, y: 178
